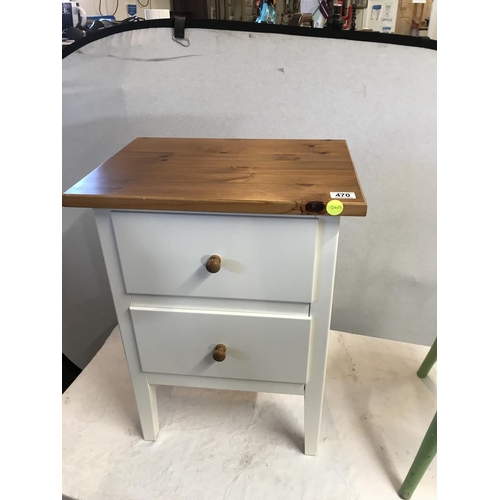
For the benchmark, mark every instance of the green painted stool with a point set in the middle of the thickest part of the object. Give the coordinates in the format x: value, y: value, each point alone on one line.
x: 428, y: 448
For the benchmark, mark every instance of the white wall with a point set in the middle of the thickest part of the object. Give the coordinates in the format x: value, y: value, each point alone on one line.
x: 91, y: 7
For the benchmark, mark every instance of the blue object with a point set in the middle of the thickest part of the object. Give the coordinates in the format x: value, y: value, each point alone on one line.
x: 267, y: 14
x: 131, y: 9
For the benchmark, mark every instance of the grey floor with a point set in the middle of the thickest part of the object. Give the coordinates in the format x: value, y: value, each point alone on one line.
x: 239, y: 445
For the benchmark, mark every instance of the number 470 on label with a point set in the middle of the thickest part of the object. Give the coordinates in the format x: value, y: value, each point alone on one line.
x: 342, y: 194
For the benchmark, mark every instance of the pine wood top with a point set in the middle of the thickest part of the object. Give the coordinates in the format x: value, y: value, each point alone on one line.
x: 262, y: 176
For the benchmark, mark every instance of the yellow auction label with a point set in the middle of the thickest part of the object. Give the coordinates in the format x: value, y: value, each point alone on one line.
x: 334, y: 207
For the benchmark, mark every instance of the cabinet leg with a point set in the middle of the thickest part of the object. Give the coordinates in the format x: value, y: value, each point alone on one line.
x: 321, y: 310
x: 145, y: 395
x: 313, y: 405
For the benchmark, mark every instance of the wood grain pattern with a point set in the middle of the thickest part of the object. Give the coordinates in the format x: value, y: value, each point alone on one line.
x: 262, y: 176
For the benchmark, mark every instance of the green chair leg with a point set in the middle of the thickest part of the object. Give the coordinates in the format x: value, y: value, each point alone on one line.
x: 428, y: 362
x: 425, y: 455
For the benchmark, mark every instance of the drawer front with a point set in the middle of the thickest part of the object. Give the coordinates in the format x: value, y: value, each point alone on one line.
x: 257, y: 348
x: 263, y: 258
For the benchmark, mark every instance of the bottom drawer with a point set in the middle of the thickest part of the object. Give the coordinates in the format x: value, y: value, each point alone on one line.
x: 257, y: 348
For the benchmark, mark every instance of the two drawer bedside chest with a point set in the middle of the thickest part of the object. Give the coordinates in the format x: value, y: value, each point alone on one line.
x: 221, y: 258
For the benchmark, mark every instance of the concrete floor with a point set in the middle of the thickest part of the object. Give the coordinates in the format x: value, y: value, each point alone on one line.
x: 240, y: 445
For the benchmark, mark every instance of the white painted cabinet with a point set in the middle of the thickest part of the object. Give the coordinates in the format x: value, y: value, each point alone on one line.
x: 170, y: 331
x: 237, y: 300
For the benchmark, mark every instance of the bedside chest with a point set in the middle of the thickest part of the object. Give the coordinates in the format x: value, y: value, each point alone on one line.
x: 221, y: 259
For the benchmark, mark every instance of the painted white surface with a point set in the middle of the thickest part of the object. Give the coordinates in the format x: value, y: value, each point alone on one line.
x: 226, y: 384
x: 370, y: 95
x: 148, y: 247
x: 321, y: 309
x: 109, y: 6
x: 258, y: 348
x: 249, y: 445
x: 145, y: 394
x: 263, y: 258
x: 258, y: 307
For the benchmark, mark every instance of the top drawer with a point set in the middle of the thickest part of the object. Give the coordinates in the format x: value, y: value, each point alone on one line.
x: 263, y: 258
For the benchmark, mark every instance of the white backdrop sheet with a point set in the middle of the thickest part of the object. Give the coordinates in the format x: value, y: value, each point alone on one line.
x: 381, y: 98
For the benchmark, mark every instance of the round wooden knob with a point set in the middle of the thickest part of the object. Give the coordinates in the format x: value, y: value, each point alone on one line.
x: 219, y: 352
x: 213, y: 264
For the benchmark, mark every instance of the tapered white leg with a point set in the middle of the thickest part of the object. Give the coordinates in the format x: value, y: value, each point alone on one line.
x: 313, y: 409
x: 312, y: 414
x: 145, y: 394
x: 321, y: 309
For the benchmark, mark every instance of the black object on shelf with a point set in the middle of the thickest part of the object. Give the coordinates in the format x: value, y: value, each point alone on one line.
x: 194, y: 9
x: 336, y: 22
x: 353, y: 18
